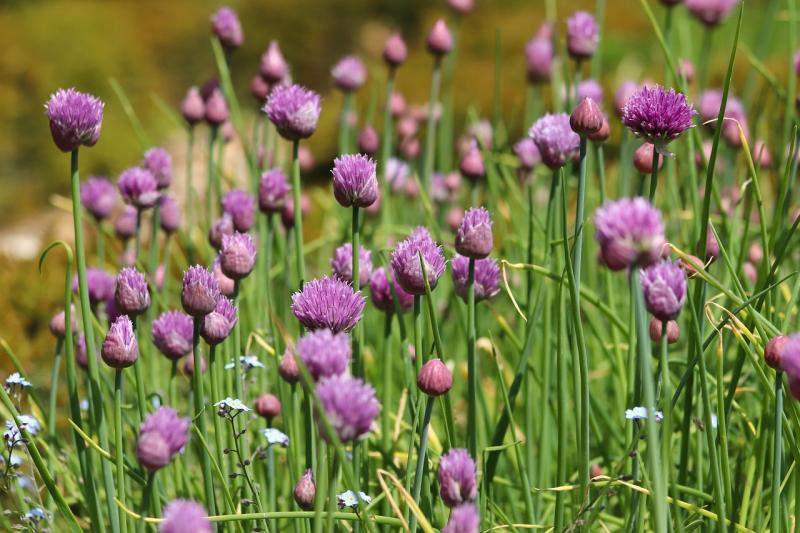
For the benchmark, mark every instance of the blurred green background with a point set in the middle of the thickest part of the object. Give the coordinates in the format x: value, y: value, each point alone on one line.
x: 162, y: 47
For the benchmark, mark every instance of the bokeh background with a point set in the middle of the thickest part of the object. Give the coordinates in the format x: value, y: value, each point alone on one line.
x: 155, y: 50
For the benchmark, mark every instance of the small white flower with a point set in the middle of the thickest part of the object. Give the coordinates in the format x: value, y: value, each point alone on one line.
x: 16, y: 380
x: 275, y: 436
x: 640, y: 413
x: 233, y: 404
x: 84, y: 405
x: 348, y: 499
x: 35, y: 515
x: 248, y: 362
x: 16, y: 461
x: 27, y: 422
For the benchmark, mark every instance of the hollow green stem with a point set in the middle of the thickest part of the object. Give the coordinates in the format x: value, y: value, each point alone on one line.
x: 430, y: 129
x: 189, y: 205
x: 119, y: 380
x: 386, y: 152
x: 298, y: 217
x: 53, y: 403
x: 344, y: 123
x: 423, y: 450
x: 654, y: 177
x: 212, y: 171
x: 776, y: 519
x: 200, y: 416
x: 472, y: 370
x: 145, y: 505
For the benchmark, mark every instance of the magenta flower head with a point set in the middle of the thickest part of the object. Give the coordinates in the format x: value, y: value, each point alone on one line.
x: 773, y: 351
x: 294, y: 110
x: 226, y: 26
x: 288, y: 369
x: 125, y: 223
x: 185, y: 516
x: 405, y: 263
x: 172, y: 334
x: 131, y: 295
x: 238, y: 255
x: 354, y: 180
x: 305, y: 491
x: 219, y: 229
x: 457, y: 477
x: 242, y: 209
x: 98, y: 196
x: 259, y: 88
x: 789, y: 356
x: 395, y: 50
x: 368, y: 140
x: 664, y: 287
x: 539, y: 59
x: 463, y: 519
x: 528, y: 153
x: 630, y: 233
x: 200, y: 291
x: 350, y: 405
x: 487, y: 277
x: 100, y: 283
x: 216, y: 108
x: 58, y: 326
x: 349, y: 74
x: 273, y: 65
x: 159, y: 163
x: 471, y: 165
x: 474, y: 236
x: 328, y: 303
x: 193, y: 107
x: 169, y: 214
x: 342, y: 264
x: 710, y: 12
x: 554, y: 138
x: 440, y: 40
x: 120, y: 349
x: 381, y: 292
x: 267, y: 406
x: 161, y: 436
x: 272, y: 191
x: 582, y: 35
x: 591, y: 89
x: 75, y: 119
x: 138, y: 187
x: 657, y: 115
x: 325, y: 354
x: 218, y: 324
x: 434, y: 378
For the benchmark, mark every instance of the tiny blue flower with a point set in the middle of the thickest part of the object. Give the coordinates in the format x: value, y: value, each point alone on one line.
x: 248, y: 362
x: 348, y: 499
x: 35, y: 515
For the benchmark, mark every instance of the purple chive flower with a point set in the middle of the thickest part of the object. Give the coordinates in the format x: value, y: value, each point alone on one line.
x: 587, y: 118
x: 368, y: 140
x: 471, y: 165
x: 120, y: 349
x: 328, y: 303
x: 242, y: 209
x: 773, y: 351
x: 528, y: 153
x: 582, y: 35
x: 200, y: 291
x: 100, y: 283
x: 219, y: 229
x: 474, y: 237
x: 294, y: 110
x: 350, y: 405
x: 457, y: 477
x: 539, y: 56
x: 273, y: 66
x: 657, y: 115
x: 434, y: 378
x: 397, y: 173
x: 131, y: 295
x: 342, y: 264
x: 708, y: 106
x: 487, y: 277
x: 405, y: 262
x: 259, y: 88
x: 440, y: 40
x: 272, y: 191
x: 349, y: 74
x: 288, y: 369
x: 305, y: 491
x: 225, y: 283
x: 238, y: 255
x: 125, y: 224
x: 98, y: 196
x: 664, y: 287
x: 710, y: 12
x: 138, y: 187
x: 629, y: 232
x: 395, y: 50
x: 789, y: 357
x: 159, y: 163
x: 75, y: 119
x: 590, y: 89
x: 325, y: 354
x: 185, y: 516
x: 463, y: 519
x: 267, y: 406
x: 193, y: 107
x: 226, y: 26
x: 218, y: 324
x: 161, y: 436
x: 354, y: 180
x: 172, y: 334
x: 216, y: 109
x: 58, y: 326
x: 169, y: 214
x: 381, y: 292
x: 554, y: 138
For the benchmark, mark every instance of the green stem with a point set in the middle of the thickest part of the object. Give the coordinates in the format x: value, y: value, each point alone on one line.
x: 298, y: 216
x: 53, y: 404
x: 214, y: 373
x: 417, y: 333
x: 666, y: 436
x: 344, y: 124
x: 386, y: 386
x: 423, y: 450
x: 334, y: 462
x: 654, y: 177
x: 212, y: 171
x: 777, y: 456
x: 155, y: 222
x: 119, y: 380
x: 358, y: 333
x: 137, y: 249
x: 189, y: 205
x: 386, y: 152
x: 579, y: 216
x: 145, y: 505
x: 472, y: 370
x: 430, y: 130
x: 200, y: 416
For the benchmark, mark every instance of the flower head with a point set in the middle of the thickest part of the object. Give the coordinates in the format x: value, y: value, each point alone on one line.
x: 216, y: 108
x: 487, y: 277
x: 241, y: 207
x: 159, y: 163
x: 472, y: 165
x: 434, y: 378
x: 305, y: 491
x: 193, y: 107
x: 100, y: 283
x: 463, y: 519
x: 350, y: 405
x: 288, y: 369
x: 474, y: 236
x: 624, y: 92
x: 630, y: 233
x: 169, y: 214
x: 710, y: 12
x: 325, y: 354
x: 457, y: 477
x: 200, y: 291
x: 591, y: 89
x: 220, y: 228
x: 708, y: 106
x: 16, y: 380
x: 773, y: 351
x: 395, y: 50
x: 640, y: 413
x: 587, y: 117
x: 349, y: 499
x: 382, y: 293
x: 583, y: 35
x: 120, y: 348
x: 272, y: 191
x: 98, y: 196
x: 554, y: 138
x: 440, y: 40
x: 273, y: 65
x: 342, y: 264
x: 172, y: 334
x: 397, y: 173
x: 231, y: 406
x: 528, y: 153
x: 138, y: 187
x: 539, y: 59
x: 125, y: 223
x: 218, y: 324
x: 349, y: 74
x: 294, y: 110
x: 405, y: 263
x: 275, y: 436
x: 58, y: 325
x: 268, y: 406
x: 354, y: 180
x: 161, y: 436
x: 238, y: 255
x: 185, y: 516
x: 657, y: 115
x: 132, y: 295
x: 328, y: 303
x: 664, y: 286
x: 226, y: 26
x: 75, y: 119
